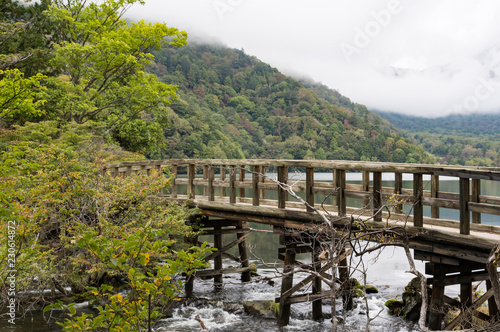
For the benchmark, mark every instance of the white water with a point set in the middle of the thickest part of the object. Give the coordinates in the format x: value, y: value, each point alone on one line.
x: 387, y: 273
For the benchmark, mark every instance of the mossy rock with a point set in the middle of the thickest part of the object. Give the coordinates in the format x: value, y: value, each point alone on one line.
x: 266, y: 309
x: 253, y: 272
x: 370, y: 289
x: 395, y: 306
x: 358, y: 293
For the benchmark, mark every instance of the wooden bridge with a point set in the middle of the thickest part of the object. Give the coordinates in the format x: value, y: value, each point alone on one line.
x: 286, y: 195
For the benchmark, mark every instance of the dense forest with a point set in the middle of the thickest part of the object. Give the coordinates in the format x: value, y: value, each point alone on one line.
x: 471, y: 140
x: 234, y: 106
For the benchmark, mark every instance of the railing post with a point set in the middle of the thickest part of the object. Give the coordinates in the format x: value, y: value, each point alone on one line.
x: 418, y: 211
x: 464, y: 206
x: 128, y: 172
x: 365, y: 186
x: 210, y: 187
x: 435, y: 194
x: 309, y: 189
x: 476, y: 192
x: 255, y: 185
x: 222, y: 179
x: 341, y: 199
x: 242, y: 179
x: 191, y: 176
x: 205, y: 178
x: 398, y: 189
x: 174, y: 184
x: 262, y: 180
x: 377, y: 196
x: 282, y: 179
x: 232, y: 180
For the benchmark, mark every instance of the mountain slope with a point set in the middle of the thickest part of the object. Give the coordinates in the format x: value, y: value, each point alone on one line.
x: 233, y: 106
x: 471, y: 140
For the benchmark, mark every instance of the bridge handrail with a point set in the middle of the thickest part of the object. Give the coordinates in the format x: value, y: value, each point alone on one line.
x: 468, y: 201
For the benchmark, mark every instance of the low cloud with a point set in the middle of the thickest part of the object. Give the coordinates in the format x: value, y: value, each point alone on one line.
x: 417, y: 57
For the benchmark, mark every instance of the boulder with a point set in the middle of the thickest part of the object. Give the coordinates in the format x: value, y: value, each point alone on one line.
x: 266, y: 309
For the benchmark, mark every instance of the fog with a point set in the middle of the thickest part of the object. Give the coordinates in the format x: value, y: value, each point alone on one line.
x: 423, y: 57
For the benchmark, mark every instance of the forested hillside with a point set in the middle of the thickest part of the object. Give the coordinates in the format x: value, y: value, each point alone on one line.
x: 471, y: 140
x: 234, y: 106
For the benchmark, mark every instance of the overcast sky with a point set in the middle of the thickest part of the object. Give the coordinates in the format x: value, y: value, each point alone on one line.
x: 420, y: 57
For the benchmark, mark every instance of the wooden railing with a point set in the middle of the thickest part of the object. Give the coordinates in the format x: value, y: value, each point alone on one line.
x: 230, y: 179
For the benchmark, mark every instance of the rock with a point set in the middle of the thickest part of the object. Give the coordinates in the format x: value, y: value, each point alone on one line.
x: 360, y: 289
x: 409, y: 307
x: 266, y: 309
x: 395, y: 306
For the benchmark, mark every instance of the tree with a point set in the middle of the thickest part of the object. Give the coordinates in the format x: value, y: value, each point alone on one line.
x: 93, y: 233
x: 25, y: 36
x: 103, y: 60
x: 19, y: 97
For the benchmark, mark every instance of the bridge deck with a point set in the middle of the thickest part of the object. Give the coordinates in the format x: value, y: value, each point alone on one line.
x: 284, y: 193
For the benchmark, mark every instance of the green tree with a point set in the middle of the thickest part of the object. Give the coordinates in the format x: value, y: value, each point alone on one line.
x: 77, y: 228
x: 19, y: 97
x: 103, y: 61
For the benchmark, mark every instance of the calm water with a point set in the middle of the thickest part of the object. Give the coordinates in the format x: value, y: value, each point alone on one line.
x: 386, y: 272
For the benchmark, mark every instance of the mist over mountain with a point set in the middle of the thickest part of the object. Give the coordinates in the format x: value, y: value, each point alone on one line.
x: 233, y: 105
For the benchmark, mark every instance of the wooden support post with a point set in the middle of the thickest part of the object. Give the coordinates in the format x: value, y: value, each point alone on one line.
x: 309, y: 189
x: 476, y: 192
x: 174, y: 184
x: 205, y: 177
x: 222, y: 179
x: 341, y: 199
x: 434, y: 194
x: 437, y: 299
x: 334, y: 181
x: 465, y: 289
x: 365, y: 186
x: 398, y: 189
x: 210, y: 187
x: 282, y: 193
x: 232, y: 188
x: 346, y: 283
x: 191, y: 176
x: 242, y: 248
x: 218, y: 259
x: 116, y: 171
x: 464, y: 206
x: 262, y: 180
x: 317, y: 305
x: 418, y: 209
x: 377, y: 196
x: 242, y: 178
x: 492, y: 305
x: 286, y: 284
x: 255, y: 185
x: 189, y: 285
